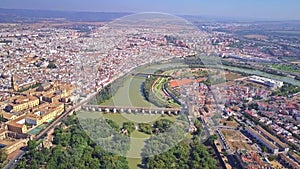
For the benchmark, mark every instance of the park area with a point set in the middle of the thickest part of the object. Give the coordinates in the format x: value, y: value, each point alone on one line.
x: 137, y: 138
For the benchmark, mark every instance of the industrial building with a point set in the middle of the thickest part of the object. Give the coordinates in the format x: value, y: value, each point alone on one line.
x: 274, y: 84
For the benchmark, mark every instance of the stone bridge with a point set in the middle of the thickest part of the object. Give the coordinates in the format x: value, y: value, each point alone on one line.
x: 124, y: 109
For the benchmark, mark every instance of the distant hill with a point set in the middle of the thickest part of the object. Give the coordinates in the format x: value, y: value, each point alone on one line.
x: 26, y: 15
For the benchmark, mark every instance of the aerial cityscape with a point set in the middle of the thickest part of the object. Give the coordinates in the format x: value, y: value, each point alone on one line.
x: 126, y: 87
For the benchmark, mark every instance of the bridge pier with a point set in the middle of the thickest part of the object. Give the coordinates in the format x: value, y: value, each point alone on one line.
x: 142, y: 110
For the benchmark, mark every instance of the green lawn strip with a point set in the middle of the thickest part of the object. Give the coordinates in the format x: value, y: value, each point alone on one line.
x: 286, y: 68
x: 157, y: 90
x: 134, y: 162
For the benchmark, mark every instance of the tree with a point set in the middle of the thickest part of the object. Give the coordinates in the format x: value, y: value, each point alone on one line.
x: 190, y: 155
x: 212, y: 139
x: 32, y: 144
x: 145, y: 128
x: 129, y: 126
x: 264, y: 149
x: 272, y: 157
x: 199, y: 126
x: 113, y: 124
x: 163, y: 124
x: 3, y: 155
x: 22, y: 164
x: 230, y: 118
x: 73, y: 149
x: 1, y: 118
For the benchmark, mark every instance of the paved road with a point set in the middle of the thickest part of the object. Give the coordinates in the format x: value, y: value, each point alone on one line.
x: 13, y: 161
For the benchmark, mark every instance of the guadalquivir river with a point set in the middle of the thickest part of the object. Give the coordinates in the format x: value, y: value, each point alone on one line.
x: 130, y: 93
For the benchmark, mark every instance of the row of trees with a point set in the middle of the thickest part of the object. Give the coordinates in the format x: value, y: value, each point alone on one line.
x: 103, y: 95
x: 108, y: 91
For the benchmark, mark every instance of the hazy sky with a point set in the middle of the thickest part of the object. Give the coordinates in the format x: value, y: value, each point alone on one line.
x: 272, y: 9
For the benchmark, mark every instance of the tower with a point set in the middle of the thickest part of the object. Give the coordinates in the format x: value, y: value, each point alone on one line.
x: 14, y: 85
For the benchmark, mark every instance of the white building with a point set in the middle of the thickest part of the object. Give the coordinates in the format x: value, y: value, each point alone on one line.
x: 267, y: 82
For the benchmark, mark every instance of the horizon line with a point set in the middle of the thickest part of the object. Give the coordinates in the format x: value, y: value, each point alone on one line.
x: 236, y: 18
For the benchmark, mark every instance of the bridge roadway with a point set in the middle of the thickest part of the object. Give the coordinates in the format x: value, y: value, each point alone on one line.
x: 127, y: 109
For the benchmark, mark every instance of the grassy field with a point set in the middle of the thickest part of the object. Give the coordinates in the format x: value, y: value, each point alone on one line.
x: 157, y: 88
x: 134, y: 162
x: 286, y: 68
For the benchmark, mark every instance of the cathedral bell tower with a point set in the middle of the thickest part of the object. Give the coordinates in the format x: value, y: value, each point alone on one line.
x: 14, y: 85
